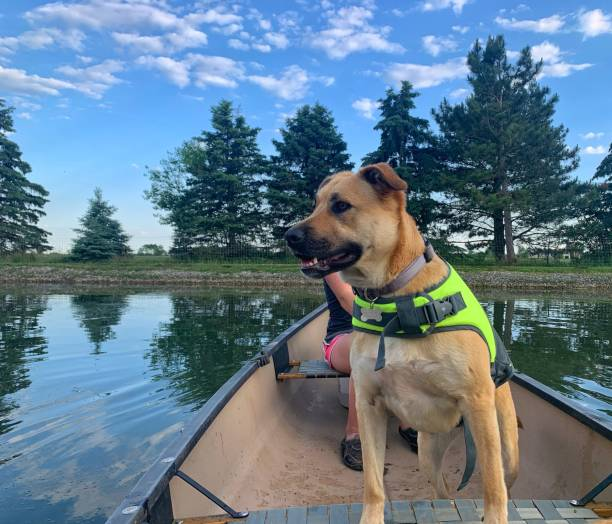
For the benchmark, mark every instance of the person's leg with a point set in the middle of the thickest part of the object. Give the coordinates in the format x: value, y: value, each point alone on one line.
x: 340, y: 361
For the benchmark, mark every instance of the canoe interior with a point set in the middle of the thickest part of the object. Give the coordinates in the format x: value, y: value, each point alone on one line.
x: 275, y: 445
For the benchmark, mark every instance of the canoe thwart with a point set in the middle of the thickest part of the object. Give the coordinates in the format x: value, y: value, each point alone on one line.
x: 309, y: 369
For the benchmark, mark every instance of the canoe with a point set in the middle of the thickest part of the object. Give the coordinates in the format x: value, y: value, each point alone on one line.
x: 267, y: 442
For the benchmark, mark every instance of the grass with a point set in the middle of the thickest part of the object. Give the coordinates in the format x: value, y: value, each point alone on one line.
x: 153, y: 263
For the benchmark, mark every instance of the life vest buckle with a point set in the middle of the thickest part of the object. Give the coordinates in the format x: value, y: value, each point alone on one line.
x: 437, y: 310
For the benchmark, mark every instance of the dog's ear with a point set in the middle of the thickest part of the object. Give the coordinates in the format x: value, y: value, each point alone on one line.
x: 383, y: 177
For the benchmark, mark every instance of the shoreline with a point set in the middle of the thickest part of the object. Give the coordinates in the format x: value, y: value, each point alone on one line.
x: 478, y: 279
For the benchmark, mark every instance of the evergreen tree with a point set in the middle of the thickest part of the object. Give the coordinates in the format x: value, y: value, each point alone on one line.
x: 310, y: 149
x: 209, y: 189
x: 152, y: 250
x: 21, y: 201
x: 592, y: 232
x: 508, y: 164
x: 407, y: 143
x: 101, y: 236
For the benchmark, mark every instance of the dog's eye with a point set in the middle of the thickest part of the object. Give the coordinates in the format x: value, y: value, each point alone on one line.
x: 340, y: 206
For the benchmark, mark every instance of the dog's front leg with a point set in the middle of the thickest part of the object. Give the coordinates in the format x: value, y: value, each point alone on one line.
x: 482, y: 419
x: 372, y: 417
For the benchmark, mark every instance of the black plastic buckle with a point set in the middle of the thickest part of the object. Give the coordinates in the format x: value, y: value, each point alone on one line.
x: 437, y: 311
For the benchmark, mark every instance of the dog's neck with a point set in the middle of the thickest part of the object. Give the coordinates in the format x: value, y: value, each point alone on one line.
x: 410, y: 245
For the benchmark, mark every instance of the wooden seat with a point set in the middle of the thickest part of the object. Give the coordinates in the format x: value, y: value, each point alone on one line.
x: 309, y: 369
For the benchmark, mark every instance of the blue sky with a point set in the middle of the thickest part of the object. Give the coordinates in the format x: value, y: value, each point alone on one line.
x: 103, y: 88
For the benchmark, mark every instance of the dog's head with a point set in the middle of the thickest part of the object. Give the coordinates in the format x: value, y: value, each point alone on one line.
x: 354, y: 225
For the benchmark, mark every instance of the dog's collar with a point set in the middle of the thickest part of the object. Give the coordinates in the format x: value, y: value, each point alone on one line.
x: 405, y: 276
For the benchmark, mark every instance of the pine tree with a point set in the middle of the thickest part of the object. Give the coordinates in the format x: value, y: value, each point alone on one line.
x: 592, y: 232
x: 310, y: 149
x: 508, y: 164
x: 21, y: 201
x: 101, y: 236
x: 407, y: 143
x: 210, y: 187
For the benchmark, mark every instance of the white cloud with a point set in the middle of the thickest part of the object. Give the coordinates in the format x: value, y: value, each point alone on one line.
x: 591, y: 135
x: 594, y: 23
x: 459, y: 93
x: 148, y: 26
x: 85, y: 59
x: 436, y: 5
x: 18, y: 81
x: 551, y: 24
x: 25, y: 104
x: 25, y: 115
x: 552, y: 57
x: 365, y: 107
x: 594, y: 150
x: 293, y: 83
x: 349, y: 32
x: 171, y: 42
x: 462, y: 29
x: 94, y: 80
x: 214, y: 16
x: 278, y: 40
x: 423, y: 76
x: 238, y: 44
x: 262, y: 22
x: 562, y: 69
x: 43, y: 38
x: 435, y: 45
x: 216, y: 71
x: 177, y: 72
x: 229, y: 29
x: 263, y: 48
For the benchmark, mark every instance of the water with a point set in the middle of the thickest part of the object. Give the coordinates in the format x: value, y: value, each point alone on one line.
x: 93, y: 386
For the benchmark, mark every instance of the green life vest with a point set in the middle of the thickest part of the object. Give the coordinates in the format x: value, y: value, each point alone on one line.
x: 450, y: 305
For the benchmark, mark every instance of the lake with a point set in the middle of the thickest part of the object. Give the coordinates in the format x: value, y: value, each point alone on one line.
x: 93, y: 385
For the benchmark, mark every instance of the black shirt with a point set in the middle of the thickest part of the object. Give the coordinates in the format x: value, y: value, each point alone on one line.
x: 339, y: 320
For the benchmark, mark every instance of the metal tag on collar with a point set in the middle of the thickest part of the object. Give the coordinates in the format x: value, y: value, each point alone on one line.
x: 369, y: 313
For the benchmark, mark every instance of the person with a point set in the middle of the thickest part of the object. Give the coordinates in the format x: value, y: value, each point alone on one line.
x: 336, y: 351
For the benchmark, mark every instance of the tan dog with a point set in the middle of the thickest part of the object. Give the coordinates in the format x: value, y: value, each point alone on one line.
x: 360, y: 227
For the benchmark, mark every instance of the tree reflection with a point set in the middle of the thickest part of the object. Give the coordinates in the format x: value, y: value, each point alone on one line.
x: 209, y: 337
x: 556, y: 340
x: 98, y: 315
x: 22, y: 341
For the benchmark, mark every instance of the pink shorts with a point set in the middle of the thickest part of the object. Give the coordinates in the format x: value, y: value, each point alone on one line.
x: 328, y: 348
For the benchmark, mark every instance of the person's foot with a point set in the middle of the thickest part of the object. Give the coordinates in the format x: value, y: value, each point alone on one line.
x: 410, y: 435
x: 350, y: 450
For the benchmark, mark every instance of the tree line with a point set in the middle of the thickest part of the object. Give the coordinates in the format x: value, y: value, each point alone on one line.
x: 496, y: 172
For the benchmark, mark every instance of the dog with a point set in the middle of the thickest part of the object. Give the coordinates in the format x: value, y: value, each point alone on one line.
x: 360, y: 227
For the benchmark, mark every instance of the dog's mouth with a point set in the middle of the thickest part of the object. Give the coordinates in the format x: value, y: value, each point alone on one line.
x: 318, y: 267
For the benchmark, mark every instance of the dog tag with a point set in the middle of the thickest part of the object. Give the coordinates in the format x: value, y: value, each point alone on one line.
x: 371, y: 314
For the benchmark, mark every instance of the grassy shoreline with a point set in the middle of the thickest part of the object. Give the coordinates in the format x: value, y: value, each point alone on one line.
x: 165, y: 271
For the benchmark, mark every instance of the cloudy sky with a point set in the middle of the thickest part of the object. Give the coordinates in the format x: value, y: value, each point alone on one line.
x: 103, y: 88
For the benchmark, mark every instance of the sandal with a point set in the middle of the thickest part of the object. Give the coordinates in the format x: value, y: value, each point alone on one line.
x: 410, y: 435
x: 350, y: 451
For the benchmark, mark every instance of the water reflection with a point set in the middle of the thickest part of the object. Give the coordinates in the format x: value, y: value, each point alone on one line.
x: 93, y: 386
x: 22, y: 341
x: 207, y: 337
x: 564, y: 343
x: 98, y: 314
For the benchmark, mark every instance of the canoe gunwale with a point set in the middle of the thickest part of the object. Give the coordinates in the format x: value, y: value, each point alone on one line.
x: 590, y: 418
x: 155, y: 481
x: 151, y: 486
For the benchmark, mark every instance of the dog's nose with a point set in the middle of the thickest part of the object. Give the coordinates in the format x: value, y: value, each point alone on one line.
x: 295, y: 235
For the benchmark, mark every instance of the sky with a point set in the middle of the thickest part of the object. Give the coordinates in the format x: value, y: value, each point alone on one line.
x: 104, y: 88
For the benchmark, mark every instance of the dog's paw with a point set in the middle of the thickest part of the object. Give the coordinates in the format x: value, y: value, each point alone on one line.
x: 373, y: 514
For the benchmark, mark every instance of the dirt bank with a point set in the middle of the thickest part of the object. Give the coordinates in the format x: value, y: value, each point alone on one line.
x: 515, y: 280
